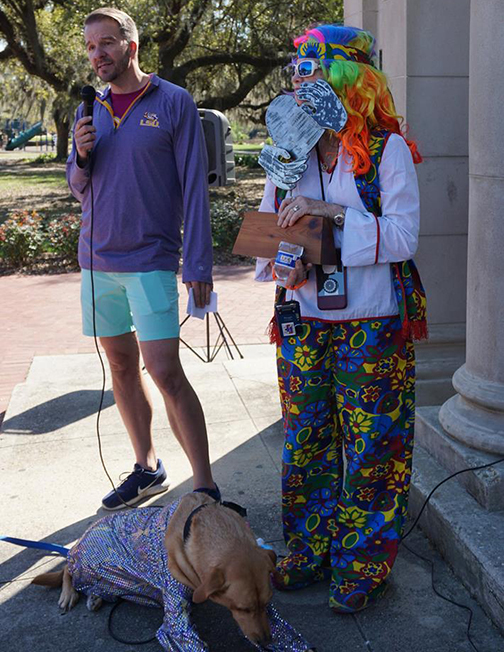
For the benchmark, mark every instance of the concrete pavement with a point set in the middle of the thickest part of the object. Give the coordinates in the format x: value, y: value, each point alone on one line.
x: 41, y: 316
x: 53, y: 482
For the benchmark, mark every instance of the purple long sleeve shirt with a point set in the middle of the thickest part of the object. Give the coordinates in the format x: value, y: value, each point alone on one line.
x: 149, y: 176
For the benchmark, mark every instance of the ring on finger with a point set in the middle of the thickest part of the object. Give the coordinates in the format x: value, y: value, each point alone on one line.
x: 295, y: 208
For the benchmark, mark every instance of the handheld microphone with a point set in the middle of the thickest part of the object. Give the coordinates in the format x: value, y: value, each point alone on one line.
x: 88, y: 95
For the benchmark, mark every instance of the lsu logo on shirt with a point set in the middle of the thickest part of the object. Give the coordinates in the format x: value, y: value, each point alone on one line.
x: 149, y: 120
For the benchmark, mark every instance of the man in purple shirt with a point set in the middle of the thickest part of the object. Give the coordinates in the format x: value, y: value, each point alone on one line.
x: 139, y: 169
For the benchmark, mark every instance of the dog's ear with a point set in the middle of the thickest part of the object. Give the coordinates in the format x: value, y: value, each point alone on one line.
x: 278, y: 579
x: 269, y: 557
x: 213, y: 583
x: 272, y: 555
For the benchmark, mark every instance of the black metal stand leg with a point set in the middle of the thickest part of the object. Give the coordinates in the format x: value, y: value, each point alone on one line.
x: 220, y: 341
x: 224, y: 329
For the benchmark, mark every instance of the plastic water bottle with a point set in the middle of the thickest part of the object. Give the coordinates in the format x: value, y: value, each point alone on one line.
x: 285, y: 260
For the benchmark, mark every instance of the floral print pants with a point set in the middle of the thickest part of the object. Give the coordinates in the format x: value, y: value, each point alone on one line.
x: 348, y: 394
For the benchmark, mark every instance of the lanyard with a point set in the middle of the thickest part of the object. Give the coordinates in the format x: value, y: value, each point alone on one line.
x: 321, y: 178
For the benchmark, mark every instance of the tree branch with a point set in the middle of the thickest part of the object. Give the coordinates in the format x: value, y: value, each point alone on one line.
x: 37, y: 68
x: 179, y: 74
x: 6, y: 53
x: 229, y: 101
x: 172, y: 43
x: 32, y: 34
x: 255, y: 107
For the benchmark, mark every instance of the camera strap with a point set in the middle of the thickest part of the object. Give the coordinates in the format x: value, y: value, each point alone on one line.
x: 326, y: 284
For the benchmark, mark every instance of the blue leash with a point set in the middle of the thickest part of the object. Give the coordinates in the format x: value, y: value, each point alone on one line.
x: 26, y: 543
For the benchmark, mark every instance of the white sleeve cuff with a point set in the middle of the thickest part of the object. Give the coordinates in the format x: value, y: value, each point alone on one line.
x: 360, y: 239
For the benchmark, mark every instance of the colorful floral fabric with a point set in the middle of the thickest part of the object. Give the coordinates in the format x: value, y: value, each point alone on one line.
x: 407, y: 283
x: 347, y: 393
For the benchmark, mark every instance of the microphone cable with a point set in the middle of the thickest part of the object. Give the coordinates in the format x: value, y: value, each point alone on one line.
x: 88, y: 94
x: 104, y: 375
x: 453, y: 475
x: 429, y: 561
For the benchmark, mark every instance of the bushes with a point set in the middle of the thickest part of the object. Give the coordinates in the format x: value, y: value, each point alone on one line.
x: 225, y: 223
x: 247, y: 160
x: 25, y: 236
x: 63, y: 236
x: 226, y: 217
x: 27, y: 239
x: 21, y: 238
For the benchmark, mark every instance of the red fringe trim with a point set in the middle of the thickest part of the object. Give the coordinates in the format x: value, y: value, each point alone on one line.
x: 415, y: 331
x: 273, y: 332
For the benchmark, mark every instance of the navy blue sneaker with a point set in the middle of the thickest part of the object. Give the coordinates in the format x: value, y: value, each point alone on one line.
x: 137, y: 486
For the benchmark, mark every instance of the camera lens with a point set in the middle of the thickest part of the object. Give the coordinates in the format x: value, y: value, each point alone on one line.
x: 331, y: 286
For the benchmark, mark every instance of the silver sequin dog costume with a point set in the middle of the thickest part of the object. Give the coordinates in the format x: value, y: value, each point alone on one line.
x: 123, y: 555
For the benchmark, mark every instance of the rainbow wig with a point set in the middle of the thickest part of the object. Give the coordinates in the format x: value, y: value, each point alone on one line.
x: 348, y: 58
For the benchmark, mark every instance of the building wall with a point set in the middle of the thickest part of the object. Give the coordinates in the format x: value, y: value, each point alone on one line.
x: 362, y: 13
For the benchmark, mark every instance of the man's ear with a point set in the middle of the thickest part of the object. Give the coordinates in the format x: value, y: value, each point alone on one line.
x: 133, y: 47
x: 213, y: 583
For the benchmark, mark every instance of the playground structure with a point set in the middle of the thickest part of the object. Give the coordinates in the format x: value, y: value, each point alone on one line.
x: 19, y: 135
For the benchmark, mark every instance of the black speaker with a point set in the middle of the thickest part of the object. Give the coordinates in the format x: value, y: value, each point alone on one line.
x: 219, y: 144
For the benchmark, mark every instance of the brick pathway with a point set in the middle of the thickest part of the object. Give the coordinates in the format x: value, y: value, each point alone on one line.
x: 41, y: 316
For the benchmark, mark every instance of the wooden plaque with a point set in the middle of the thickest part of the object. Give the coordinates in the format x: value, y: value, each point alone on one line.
x: 260, y: 236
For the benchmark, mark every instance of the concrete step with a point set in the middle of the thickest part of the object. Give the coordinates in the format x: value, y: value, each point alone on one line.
x: 436, y: 362
x: 485, y: 485
x: 468, y: 536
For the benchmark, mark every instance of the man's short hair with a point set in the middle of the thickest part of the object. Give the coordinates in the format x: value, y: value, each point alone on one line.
x: 126, y: 24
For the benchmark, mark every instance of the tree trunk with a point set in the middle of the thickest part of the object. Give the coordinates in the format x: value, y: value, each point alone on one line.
x: 62, y: 131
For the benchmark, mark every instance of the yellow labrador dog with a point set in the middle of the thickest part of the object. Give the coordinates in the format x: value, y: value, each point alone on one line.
x: 193, y: 549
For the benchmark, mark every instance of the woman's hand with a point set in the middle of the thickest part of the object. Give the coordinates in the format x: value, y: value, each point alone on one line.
x: 298, y: 275
x: 292, y: 208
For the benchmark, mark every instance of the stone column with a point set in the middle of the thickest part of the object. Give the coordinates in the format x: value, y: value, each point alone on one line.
x: 475, y: 416
x: 363, y: 14
x: 424, y: 50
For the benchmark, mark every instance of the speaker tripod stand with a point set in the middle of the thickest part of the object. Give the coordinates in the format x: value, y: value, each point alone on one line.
x: 222, y: 339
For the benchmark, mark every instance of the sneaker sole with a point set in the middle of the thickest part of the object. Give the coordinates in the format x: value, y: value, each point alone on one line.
x: 145, y: 493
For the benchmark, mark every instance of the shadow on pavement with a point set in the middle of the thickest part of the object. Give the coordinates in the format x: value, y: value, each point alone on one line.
x: 57, y: 412
x: 410, y: 616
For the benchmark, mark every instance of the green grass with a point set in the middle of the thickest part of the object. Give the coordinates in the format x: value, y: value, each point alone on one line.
x: 41, y: 159
x: 25, y: 179
x: 247, y: 147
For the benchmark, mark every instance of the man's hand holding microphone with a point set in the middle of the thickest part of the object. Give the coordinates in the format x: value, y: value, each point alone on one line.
x: 85, y: 132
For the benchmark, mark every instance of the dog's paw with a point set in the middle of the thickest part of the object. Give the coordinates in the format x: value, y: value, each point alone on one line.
x: 93, y: 602
x: 68, y: 599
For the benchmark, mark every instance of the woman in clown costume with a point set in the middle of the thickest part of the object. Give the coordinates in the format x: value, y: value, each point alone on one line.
x: 347, y: 376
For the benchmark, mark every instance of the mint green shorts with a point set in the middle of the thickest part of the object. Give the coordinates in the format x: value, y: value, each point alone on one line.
x: 124, y: 302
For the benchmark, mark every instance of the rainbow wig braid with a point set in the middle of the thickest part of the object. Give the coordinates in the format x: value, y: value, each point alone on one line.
x: 348, y: 55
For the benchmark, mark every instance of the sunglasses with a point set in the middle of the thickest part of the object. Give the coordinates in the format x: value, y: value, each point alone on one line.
x: 304, y: 68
